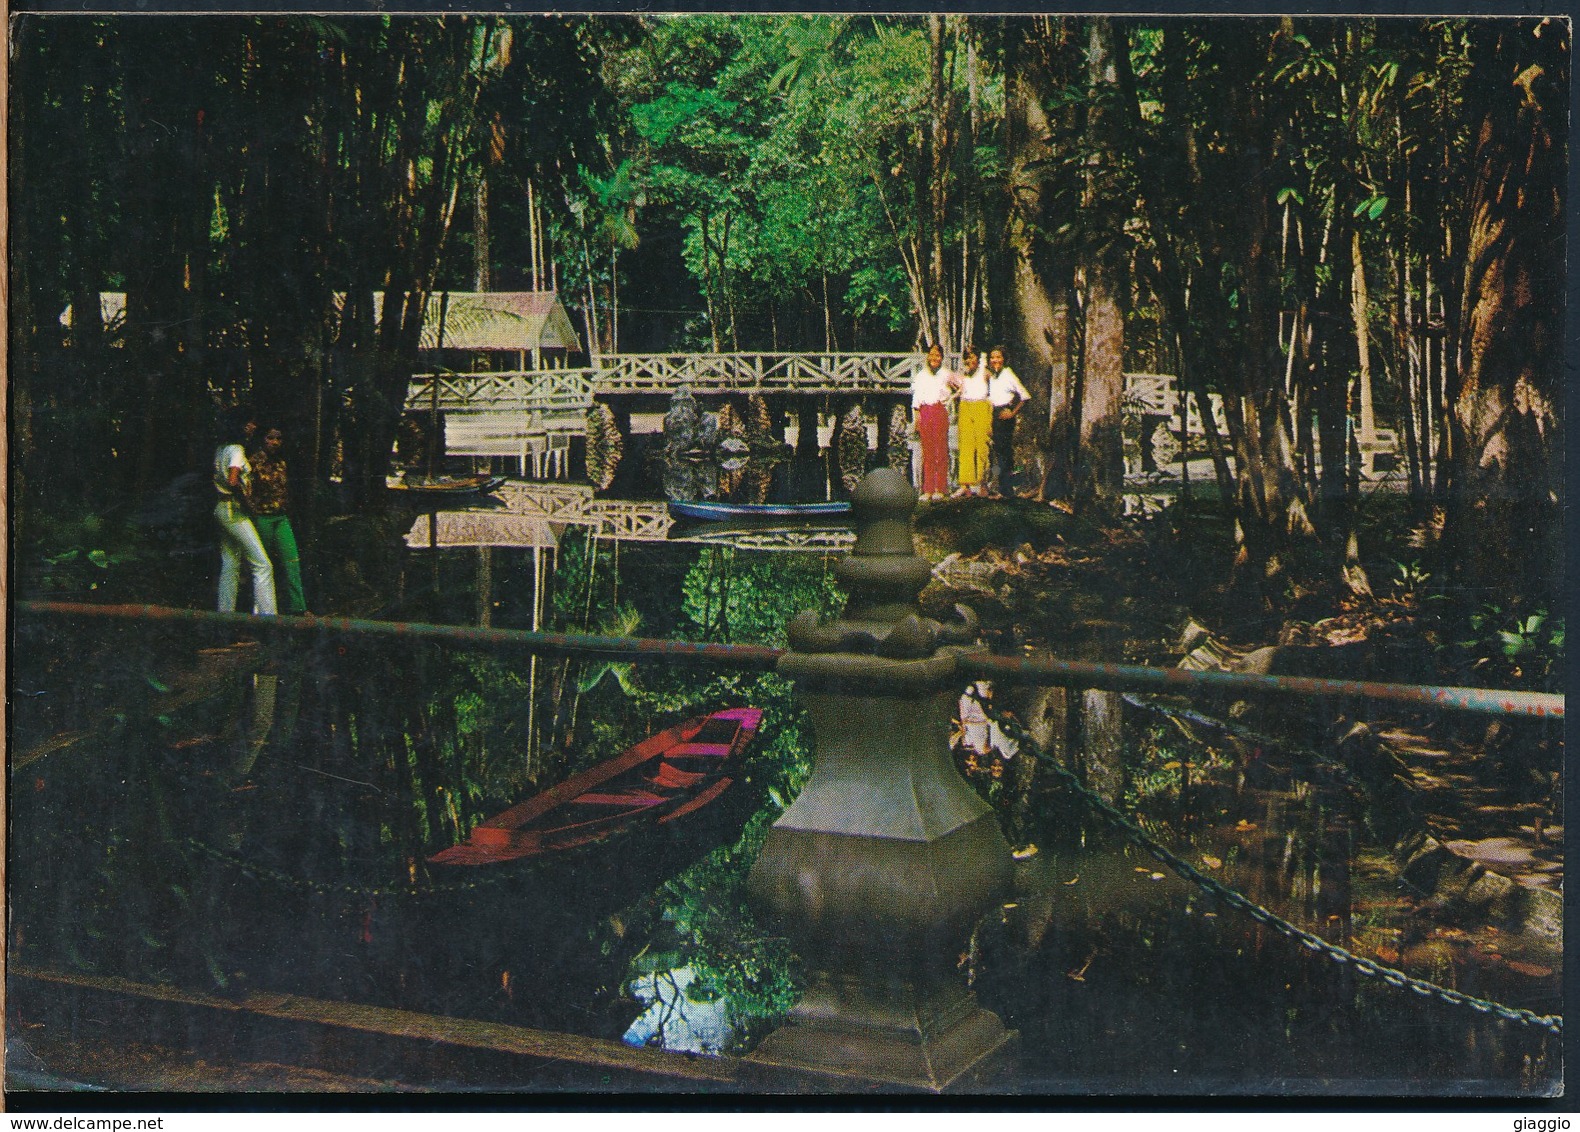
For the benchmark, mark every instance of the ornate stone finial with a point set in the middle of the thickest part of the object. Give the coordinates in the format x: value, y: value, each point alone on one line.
x: 884, y: 575
x: 887, y: 859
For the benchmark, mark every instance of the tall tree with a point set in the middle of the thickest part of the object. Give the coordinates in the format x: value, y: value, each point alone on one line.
x: 1508, y: 412
x: 1100, y: 469
x: 1039, y: 57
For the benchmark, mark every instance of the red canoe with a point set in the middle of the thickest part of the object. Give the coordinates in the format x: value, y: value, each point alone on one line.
x: 667, y: 776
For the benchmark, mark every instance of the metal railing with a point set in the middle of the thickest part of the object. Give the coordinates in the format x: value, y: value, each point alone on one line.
x: 1009, y: 670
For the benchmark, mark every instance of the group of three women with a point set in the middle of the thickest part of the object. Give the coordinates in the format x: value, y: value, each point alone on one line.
x: 988, y: 397
x: 254, y: 526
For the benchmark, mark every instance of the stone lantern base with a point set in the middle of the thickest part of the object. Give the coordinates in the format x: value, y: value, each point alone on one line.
x: 878, y: 873
x: 847, y: 1036
x: 887, y: 859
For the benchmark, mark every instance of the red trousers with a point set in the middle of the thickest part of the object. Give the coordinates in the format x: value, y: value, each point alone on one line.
x: 932, y: 427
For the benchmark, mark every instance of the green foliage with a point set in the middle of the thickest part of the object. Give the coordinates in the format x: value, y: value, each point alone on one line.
x: 722, y: 942
x: 1410, y: 578
x: 76, y: 554
x: 749, y: 597
x: 1522, y: 648
x: 487, y: 749
x: 788, y: 148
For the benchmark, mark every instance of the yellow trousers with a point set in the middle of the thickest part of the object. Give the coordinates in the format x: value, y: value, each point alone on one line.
x: 976, y: 436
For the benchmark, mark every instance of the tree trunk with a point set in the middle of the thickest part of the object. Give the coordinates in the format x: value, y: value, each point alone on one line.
x: 938, y: 151
x: 1506, y: 506
x: 1361, y: 314
x: 1100, y: 476
x: 1037, y: 303
x: 482, y: 275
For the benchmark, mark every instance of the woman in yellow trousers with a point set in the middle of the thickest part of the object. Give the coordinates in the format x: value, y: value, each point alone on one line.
x: 976, y: 424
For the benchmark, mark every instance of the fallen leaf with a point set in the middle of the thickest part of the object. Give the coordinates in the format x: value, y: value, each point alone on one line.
x: 1211, y: 862
x: 1534, y: 970
x: 1243, y: 826
x: 1158, y: 876
x: 1072, y: 880
x: 1142, y: 869
x: 1387, y: 954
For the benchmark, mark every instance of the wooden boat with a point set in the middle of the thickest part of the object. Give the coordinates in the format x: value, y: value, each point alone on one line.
x: 443, y: 487
x: 661, y: 779
x: 716, y: 512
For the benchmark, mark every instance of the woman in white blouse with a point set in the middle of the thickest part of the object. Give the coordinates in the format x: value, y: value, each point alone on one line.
x: 931, y: 387
x: 238, y: 538
x: 1007, y: 396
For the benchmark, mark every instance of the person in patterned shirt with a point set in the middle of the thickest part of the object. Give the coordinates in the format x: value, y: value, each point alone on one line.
x: 271, y: 502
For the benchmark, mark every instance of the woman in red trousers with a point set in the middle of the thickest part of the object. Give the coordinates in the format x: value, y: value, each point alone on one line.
x: 931, y: 388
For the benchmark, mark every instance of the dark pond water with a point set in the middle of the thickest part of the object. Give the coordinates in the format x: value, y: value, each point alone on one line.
x: 241, y: 817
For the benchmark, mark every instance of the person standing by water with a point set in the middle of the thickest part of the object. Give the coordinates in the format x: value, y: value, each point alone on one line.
x: 271, y: 504
x: 931, y: 389
x: 238, y: 537
x: 1007, y: 395
x: 976, y: 424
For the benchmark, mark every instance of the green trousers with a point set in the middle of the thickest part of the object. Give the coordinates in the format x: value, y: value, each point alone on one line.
x: 280, y: 541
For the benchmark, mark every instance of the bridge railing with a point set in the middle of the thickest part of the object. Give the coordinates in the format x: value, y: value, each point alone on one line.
x: 662, y: 374
x: 547, y: 390
x: 551, y: 390
x: 756, y: 372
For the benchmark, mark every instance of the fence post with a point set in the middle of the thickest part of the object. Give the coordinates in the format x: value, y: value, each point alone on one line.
x: 885, y: 862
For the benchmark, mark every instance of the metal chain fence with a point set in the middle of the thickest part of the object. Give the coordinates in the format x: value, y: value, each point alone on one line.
x: 1262, y: 915
x: 360, y: 892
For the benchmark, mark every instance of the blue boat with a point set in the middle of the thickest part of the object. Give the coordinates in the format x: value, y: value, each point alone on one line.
x: 719, y: 512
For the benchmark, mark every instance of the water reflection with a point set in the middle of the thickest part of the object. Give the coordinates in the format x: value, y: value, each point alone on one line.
x: 272, y: 834
x: 537, y: 516
x: 263, y: 821
x: 683, y: 1013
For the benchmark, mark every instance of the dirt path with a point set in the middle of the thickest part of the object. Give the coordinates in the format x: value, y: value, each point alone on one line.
x: 1477, y: 820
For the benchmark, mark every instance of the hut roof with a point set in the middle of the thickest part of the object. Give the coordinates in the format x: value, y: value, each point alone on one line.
x: 495, y: 320
x: 486, y: 528
x: 475, y: 320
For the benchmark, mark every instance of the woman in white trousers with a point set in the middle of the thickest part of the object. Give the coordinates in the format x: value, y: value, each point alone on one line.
x: 238, y: 538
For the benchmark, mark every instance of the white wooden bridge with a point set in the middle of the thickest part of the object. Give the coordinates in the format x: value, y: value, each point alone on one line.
x: 573, y: 390
x: 531, y: 415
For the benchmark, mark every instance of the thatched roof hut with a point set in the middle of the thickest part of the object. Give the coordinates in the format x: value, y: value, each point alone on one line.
x: 496, y: 322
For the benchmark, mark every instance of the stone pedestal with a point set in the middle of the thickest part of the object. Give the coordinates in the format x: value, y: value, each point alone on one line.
x: 883, y: 865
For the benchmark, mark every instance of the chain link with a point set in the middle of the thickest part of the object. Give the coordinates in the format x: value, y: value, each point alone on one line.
x: 360, y: 892
x: 1337, y: 770
x: 1262, y: 915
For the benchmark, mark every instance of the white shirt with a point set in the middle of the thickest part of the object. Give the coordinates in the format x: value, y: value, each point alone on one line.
x: 226, y: 457
x: 975, y: 724
x: 975, y: 387
x: 1003, y: 386
x: 929, y: 387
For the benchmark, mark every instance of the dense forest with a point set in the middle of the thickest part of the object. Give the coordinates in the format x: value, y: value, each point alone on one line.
x: 1334, y: 224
